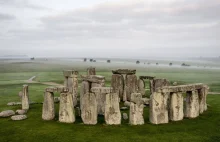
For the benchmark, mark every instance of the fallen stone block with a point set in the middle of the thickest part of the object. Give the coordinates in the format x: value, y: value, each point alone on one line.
x: 7, y: 113
x: 21, y: 111
x: 18, y: 117
x: 125, y: 116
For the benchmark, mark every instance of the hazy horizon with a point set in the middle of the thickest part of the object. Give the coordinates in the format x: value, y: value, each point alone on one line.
x: 110, y: 28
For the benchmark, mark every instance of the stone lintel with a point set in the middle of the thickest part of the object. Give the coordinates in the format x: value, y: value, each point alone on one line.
x: 70, y: 73
x: 93, y: 78
x: 106, y: 90
x: 123, y: 71
x: 147, y: 77
x: 57, y: 89
x: 182, y: 88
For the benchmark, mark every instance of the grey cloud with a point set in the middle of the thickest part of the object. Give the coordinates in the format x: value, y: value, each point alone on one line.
x: 6, y: 17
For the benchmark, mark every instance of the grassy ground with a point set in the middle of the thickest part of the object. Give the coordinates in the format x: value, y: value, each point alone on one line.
x: 204, y: 128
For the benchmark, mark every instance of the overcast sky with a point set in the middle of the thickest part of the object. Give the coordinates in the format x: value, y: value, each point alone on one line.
x: 110, y: 28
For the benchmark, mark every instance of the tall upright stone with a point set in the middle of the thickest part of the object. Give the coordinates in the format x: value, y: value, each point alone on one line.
x: 136, y: 109
x: 66, y: 110
x: 71, y: 82
x: 159, y: 108
x: 192, y: 104
x: 85, y: 88
x: 25, y: 97
x: 130, y: 86
x: 112, y: 110
x: 176, y: 107
x: 91, y: 71
x: 48, y: 111
x: 141, y: 87
x: 100, y: 98
x: 156, y: 83
x: 202, y: 100
x: 117, y: 83
x: 89, y: 109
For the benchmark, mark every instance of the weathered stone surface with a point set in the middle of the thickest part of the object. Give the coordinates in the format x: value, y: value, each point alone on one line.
x: 70, y: 73
x: 112, y: 110
x: 158, y: 83
x: 159, y: 108
x: 145, y: 101
x: 91, y: 71
x: 141, y: 87
x: 202, y: 99
x: 7, y: 113
x: 176, y: 107
x: 89, y: 109
x: 127, y: 103
x: 117, y: 83
x: 72, y: 85
x: 21, y: 111
x: 18, y: 117
x: 124, y: 108
x: 48, y: 110
x: 123, y: 71
x: 136, y: 114
x: 192, y: 104
x: 147, y: 77
x: 25, y: 97
x: 13, y: 103
x: 130, y: 86
x: 85, y: 88
x: 105, y: 90
x: 59, y: 89
x: 125, y: 116
x: 100, y: 99
x: 182, y: 88
x: 66, y: 111
x: 136, y: 98
x: 93, y: 78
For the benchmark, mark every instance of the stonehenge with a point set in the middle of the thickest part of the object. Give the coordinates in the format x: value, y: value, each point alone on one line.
x: 71, y: 82
x: 90, y: 81
x: 126, y: 79
x: 167, y: 102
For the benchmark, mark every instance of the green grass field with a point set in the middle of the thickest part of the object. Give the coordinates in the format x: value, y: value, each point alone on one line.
x: 13, y: 74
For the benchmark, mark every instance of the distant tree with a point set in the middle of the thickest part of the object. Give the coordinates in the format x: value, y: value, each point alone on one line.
x: 137, y: 62
x: 32, y: 58
x: 94, y: 60
x: 157, y: 63
x: 85, y: 59
x: 170, y: 64
x: 184, y: 64
x: 91, y: 60
x: 148, y: 63
x: 108, y: 61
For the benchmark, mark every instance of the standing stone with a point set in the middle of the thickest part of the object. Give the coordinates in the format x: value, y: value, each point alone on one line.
x: 85, y: 88
x: 112, y: 110
x: 141, y: 87
x: 130, y: 85
x: 91, y: 71
x: 89, y: 109
x: 20, y: 95
x: 151, y: 81
x: 156, y: 83
x: 100, y: 99
x: 136, y: 109
x: 66, y: 111
x: 159, y: 108
x: 176, y: 107
x: 25, y: 97
x: 117, y: 83
x: 192, y: 104
x: 48, y: 112
x: 202, y: 100
x: 125, y: 116
x: 136, y: 114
